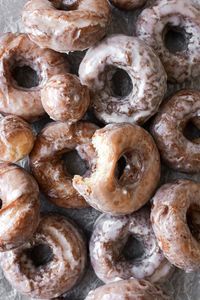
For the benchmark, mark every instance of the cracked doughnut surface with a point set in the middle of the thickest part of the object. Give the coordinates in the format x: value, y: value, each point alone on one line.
x: 16, y: 138
x: 175, y: 148
x: 172, y: 204
x: 47, y: 165
x: 18, y: 51
x: 128, y: 290
x: 19, y: 214
x: 128, y: 4
x: 59, y: 272
x: 103, y: 188
x: 79, y: 23
x: 110, y: 237
x: 144, y: 69
x: 182, y: 20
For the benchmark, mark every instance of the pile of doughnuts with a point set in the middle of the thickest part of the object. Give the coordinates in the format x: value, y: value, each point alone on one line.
x: 146, y: 229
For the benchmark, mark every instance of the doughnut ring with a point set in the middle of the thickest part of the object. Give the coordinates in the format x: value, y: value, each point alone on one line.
x: 50, y: 263
x: 164, y: 23
x: 19, y: 214
x: 168, y: 127
x: 120, y: 52
x: 78, y: 24
x: 46, y: 162
x: 17, y: 52
x: 173, y: 204
x: 111, y: 235
x: 64, y: 98
x: 128, y: 290
x: 128, y: 4
x: 119, y: 194
x: 16, y: 139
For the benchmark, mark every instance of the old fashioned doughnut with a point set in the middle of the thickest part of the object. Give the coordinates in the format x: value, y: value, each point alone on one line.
x: 50, y: 263
x: 19, y: 214
x: 18, y: 56
x: 120, y: 52
x: 48, y: 167
x: 172, y: 29
x: 128, y: 4
x: 106, y: 189
x: 173, y: 207
x: 111, y: 236
x: 64, y: 98
x: 16, y: 139
x: 128, y: 290
x: 176, y: 149
x: 64, y: 25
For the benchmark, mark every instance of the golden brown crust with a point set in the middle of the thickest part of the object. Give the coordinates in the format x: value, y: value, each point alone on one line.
x: 65, y: 99
x: 56, y: 139
x: 16, y: 139
x: 77, y: 28
x: 19, y: 214
x: 62, y: 270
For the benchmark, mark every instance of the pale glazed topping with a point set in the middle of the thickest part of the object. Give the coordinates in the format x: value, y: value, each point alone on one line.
x: 108, y: 240
x: 18, y: 50
x: 77, y: 28
x: 133, y: 189
x: 16, y: 139
x: 151, y: 25
x: 56, y: 139
x: 65, y: 99
x: 142, y: 65
x: 128, y: 4
x: 19, y: 214
x: 128, y: 290
x: 60, y: 273
x: 171, y: 206
x: 168, y: 127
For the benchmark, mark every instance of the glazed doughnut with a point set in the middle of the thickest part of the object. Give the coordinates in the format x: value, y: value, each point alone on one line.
x: 46, y: 160
x: 19, y: 214
x: 124, y: 193
x: 173, y: 204
x: 17, y: 52
x: 64, y: 98
x: 168, y: 127
x: 16, y: 139
x: 128, y: 290
x: 50, y: 263
x: 144, y: 69
x: 128, y: 4
x: 66, y: 25
x: 167, y: 22
x: 109, y: 239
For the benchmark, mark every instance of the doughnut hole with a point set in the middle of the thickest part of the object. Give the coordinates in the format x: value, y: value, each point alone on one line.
x: 1, y: 204
x: 74, y: 164
x: 40, y: 255
x: 65, y: 5
x: 193, y: 221
x: 25, y: 77
x: 133, y: 249
x: 120, y: 83
x: 176, y: 39
x: 191, y: 131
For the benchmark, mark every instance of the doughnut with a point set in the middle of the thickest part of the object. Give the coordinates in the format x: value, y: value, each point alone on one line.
x: 128, y: 4
x: 19, y: 214
x: 148, y: 78
x: 128, y: 290
x: 66, y: 25
x: 47, y: 165
x: 172, y: 29
x: 176, y: 149
x: 16, y: 139
x: 111, y: 236
x: 64, y: 98
x: 50, y: 263
x: 107, y: 190
x: 174, y: 204
x: 19, y: 58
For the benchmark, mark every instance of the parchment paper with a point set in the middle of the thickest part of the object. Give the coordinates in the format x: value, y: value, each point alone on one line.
x: 181, y: 286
